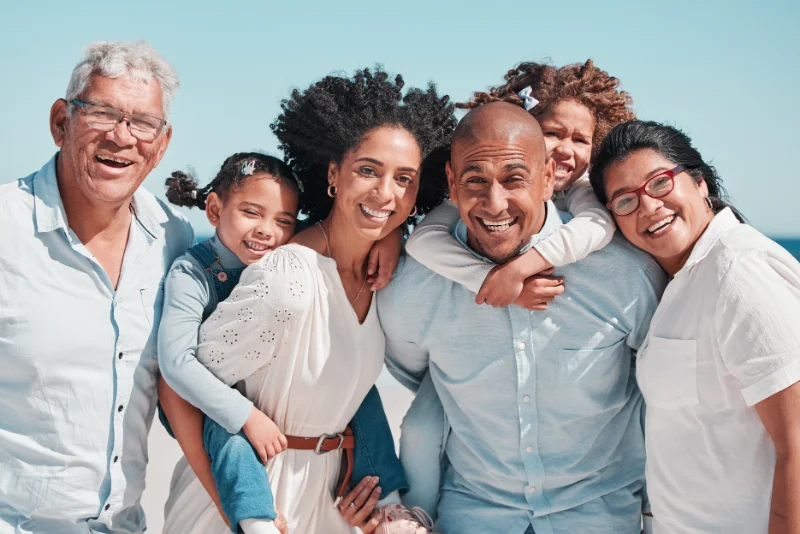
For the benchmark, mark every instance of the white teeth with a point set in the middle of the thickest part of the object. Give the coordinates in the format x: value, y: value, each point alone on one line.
x: 496, y: 226
x: 113, y: 159
x: 562, y: 169
x: 381, y: 214
x: 661, y: 224
x: 255, y: 246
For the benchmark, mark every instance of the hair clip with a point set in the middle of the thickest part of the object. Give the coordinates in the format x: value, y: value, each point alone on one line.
x: 194, y: 194
x: 248, y: 167
x: 299, y: 183
x: 528, y: 102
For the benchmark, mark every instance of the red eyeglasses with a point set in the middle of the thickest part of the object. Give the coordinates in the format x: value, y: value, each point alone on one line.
x: 658, y: 186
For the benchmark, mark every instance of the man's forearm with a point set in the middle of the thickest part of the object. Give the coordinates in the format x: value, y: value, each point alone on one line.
x: 784, y: 517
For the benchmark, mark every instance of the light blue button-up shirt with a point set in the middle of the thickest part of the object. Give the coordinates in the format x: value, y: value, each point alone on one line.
x: 545, y: 414
x: 79, y: 366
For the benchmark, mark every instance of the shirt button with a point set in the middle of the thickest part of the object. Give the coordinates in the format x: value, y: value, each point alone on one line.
x: 107, y: 507
x: 120, y: 408
x: 526, y: 398
x: 119, y: 356
x: 528, y: 449
x: 521, y: 345
x: 116, y: 459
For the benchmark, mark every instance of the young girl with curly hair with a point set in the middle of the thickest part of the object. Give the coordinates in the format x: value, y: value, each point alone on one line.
x: 300, y: 335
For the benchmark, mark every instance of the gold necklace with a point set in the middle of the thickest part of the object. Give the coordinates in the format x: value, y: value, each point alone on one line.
x: 328, y: 247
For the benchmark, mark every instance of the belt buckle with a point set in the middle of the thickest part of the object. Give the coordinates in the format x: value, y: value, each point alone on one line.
x: 321, y: 442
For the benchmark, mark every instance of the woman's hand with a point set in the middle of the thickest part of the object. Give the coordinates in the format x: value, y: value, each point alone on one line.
x: 539, y: 290
x: 383, y: 258
x: 358, y: 506
x: 264, y: 435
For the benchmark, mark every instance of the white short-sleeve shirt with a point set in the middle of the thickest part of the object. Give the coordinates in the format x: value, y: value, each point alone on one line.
x: 725, y: 337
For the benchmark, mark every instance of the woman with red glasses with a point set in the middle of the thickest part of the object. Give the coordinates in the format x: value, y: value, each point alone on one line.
x: 720, y: 366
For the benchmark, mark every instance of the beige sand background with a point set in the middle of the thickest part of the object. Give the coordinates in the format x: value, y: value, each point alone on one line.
x: 164, y: 451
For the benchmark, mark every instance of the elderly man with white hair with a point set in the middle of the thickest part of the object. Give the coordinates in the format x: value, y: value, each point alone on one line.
x: 83, y: 250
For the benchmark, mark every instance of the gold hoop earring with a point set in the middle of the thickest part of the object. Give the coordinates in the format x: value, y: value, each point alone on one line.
x: 331, y: 191
x: 709, y: 204
x: 413, y: 212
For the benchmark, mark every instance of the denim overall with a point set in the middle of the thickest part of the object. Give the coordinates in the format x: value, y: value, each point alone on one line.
x: 240, y: 476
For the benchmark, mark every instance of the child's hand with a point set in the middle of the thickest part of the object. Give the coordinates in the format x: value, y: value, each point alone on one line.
x: 504, y: 283
x: 280, y: 524
x: 539, y: 290
x: 383, y: 258
x: 264, y: 435
x: 502, y: 286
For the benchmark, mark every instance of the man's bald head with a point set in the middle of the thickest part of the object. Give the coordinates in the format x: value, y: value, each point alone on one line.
x: 501, y: 121
x: 500, y: 178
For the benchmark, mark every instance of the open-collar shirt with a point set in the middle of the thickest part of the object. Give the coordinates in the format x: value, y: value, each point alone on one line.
x: 725, y: 337
x: 545, y: 414
x: 79, y: 366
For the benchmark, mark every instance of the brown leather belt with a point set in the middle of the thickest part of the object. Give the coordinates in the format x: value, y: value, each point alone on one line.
x: 327, y: 443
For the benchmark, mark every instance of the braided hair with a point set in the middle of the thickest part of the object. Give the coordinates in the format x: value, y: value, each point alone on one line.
x: 331, y: 117
x: 182, y: 188
x: 584, y: 83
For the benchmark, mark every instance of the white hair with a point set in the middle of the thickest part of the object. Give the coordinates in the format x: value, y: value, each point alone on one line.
x: 136, y: 60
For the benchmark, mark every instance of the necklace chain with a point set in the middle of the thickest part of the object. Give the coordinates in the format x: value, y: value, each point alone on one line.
x: 328, y: 247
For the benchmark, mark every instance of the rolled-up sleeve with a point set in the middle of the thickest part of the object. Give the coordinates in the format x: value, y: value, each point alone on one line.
x: 758, y: 313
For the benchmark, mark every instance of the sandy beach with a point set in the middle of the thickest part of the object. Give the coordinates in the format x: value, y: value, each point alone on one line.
x: 164, y: 451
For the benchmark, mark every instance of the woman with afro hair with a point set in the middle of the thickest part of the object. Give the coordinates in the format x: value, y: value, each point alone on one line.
x: 576, y: 106
x: 300, y: 332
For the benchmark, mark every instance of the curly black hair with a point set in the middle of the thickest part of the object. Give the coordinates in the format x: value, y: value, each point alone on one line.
x: 331, y: 117
x: 182, y: 188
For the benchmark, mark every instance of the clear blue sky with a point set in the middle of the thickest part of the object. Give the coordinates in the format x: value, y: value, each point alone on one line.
x: 727, y: 72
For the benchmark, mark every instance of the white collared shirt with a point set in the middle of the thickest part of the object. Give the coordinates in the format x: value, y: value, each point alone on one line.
x: 725, y: 337
x: 78, y: 360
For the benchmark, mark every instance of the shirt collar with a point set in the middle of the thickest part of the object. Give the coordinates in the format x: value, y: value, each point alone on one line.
x: 49, y: 208
x: 47, y: 205
x: 227, y: 258
x: 721, y: 223
x: 552, y: 221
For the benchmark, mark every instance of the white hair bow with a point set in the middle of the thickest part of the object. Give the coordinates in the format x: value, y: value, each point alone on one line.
x: 248, y: 167
x: 528, y: 101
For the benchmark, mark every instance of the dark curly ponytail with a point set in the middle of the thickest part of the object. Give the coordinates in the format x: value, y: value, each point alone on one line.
x: 182, y: 188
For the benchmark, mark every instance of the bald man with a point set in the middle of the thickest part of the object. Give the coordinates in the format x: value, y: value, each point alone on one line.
x: 545, y: 419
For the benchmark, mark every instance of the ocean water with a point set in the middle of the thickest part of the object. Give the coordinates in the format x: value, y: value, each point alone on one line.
x: 792, y: 245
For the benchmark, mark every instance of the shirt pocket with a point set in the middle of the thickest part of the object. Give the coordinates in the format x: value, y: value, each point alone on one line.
x: 590, y: 380
x: 670, y: 372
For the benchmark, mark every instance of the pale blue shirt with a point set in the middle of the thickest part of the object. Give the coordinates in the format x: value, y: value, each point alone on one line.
x: 187, y: 293
x: 545, y: 414
x: 79, y: 365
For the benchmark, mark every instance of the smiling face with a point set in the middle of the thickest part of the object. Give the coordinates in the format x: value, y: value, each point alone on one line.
x: 107, y: 167
x: 500, y: 185
x: 255, y: 217
x: 666, y: 227
x: 568, y: 129
x: 377, y: 182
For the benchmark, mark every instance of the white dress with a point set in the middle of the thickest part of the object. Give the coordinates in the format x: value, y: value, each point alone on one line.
x: 289, y: 332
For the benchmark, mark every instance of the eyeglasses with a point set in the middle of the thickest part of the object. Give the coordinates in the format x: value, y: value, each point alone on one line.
x: 658, y: 186
x: 106, y: 118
